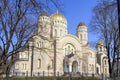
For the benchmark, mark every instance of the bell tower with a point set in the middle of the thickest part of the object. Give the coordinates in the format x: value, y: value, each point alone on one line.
x: 100, y: 47
x: 44, y: 26
x: 81, y: 33
x: 102, y: 58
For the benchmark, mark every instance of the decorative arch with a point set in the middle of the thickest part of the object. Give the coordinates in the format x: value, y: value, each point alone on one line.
x: 71, y: 40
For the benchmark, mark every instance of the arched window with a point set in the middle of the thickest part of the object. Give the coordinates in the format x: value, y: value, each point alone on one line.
x: 26, y: 55
x: 21, y: 55
x: 105, y: 62
x: 17, y: 66
x: 39, y: 63
x: 25, y: 66
x: 80, y: 36
x: 38, y: 44
x: 71, y: 50
x: 68, y: 49
x: 22, y: 65
x: 105, y: 70
x: 52, y: 63
x: 100, y: 48
x: 92, y: 68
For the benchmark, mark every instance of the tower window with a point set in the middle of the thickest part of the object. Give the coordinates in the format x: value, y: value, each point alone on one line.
x: 60, y: 32
x: 80, y: 36
x: 84, y: 36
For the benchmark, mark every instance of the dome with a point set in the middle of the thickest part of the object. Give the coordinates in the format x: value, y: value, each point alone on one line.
x: 43, y: 13
x: 100, y: 43
x: 81, y: 25
x: 58, y: 16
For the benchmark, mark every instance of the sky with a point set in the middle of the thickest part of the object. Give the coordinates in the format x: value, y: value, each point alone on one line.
x: 76, y: 11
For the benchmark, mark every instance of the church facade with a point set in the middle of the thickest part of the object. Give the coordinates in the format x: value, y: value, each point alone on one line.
x: 53, y: 49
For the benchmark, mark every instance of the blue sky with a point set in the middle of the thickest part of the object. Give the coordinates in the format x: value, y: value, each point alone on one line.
x: 79, y: 10
x: 76, y: 11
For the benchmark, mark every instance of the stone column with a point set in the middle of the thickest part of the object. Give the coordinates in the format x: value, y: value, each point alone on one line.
x: 78, y: 67
x: 65, y: 67
x: 70, y: 67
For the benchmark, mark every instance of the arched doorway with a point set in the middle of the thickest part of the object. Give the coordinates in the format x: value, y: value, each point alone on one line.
x: 65, y: 66
x: 75, y: 67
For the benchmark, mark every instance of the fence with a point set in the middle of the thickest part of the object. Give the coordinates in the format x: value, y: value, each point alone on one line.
x: 42, y: 74
x: 38, y: 74
x: 59, y: 76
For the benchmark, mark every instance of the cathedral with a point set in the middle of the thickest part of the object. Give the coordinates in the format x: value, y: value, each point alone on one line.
x: 52, y: 50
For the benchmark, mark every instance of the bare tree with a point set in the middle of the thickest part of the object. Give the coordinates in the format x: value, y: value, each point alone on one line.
x: 17, y: 23
x: 105, y: 21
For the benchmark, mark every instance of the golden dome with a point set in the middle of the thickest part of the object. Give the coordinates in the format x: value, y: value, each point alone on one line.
x: 100, y: 43
x: 58, y: 16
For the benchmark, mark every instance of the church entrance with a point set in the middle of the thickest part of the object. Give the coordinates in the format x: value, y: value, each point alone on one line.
x: 75, y: 67
x: 65, y: 66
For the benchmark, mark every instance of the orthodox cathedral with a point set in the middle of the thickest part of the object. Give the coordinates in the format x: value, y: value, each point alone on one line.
x: 52, y: 50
